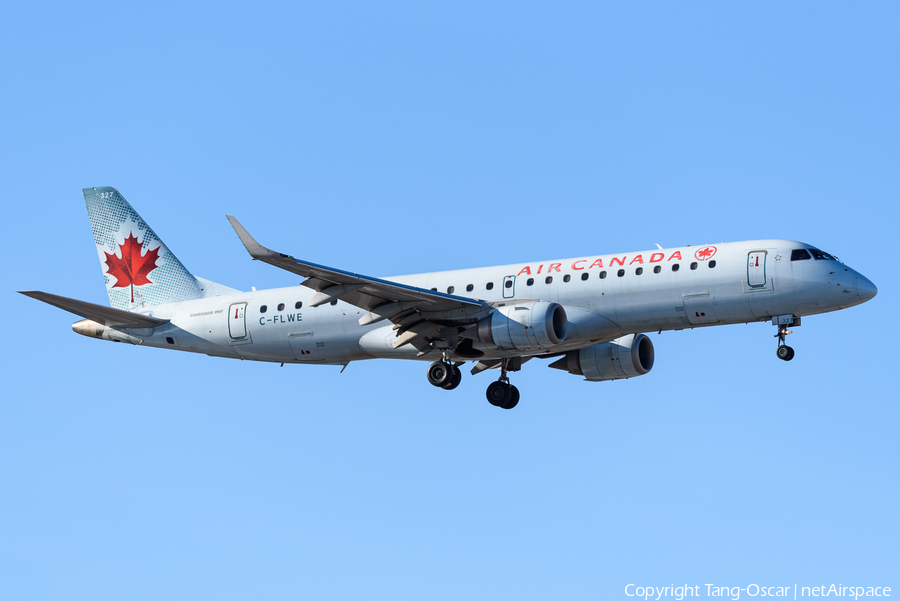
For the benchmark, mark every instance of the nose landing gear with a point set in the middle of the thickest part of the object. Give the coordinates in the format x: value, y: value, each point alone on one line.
x: 784, y: 352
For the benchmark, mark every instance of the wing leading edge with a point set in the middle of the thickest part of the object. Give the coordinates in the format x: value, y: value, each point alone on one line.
x: 382, y: 299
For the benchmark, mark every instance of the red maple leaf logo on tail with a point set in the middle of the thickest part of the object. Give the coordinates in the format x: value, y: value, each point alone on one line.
x: 133, y: 268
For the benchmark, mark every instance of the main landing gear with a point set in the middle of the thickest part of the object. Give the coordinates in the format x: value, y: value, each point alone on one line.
x: 444, y: 375
x: 501, y: 393
x: 784, y: 352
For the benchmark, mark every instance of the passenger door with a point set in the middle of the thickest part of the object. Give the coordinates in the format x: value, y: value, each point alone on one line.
x: 756, y: 268
x: 237, y: 322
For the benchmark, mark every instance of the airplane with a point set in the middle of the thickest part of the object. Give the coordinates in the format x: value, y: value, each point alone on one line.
x: 590, y: 314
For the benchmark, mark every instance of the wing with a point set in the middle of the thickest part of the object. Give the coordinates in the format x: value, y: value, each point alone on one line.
x: 419, y: 315
x: 114, y: 318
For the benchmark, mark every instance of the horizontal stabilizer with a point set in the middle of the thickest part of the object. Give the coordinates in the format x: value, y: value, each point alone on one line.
x: 114, y: 318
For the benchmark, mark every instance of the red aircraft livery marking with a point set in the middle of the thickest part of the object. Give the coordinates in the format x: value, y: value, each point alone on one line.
x: 705, y: 253
x: 598, y: 263
x: 133, y: 268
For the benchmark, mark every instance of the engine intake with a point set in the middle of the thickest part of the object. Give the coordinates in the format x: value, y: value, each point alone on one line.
x: 524, y: 326
x: 624, y: 357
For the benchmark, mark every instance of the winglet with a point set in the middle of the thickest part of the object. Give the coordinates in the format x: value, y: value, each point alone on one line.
x: 256, y: 250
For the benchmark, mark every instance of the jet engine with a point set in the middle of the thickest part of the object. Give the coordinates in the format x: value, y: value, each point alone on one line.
x: 624, y: 357
x: 523, y: 326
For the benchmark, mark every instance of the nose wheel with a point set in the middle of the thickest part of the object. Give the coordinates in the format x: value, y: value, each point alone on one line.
x: 784, y: 352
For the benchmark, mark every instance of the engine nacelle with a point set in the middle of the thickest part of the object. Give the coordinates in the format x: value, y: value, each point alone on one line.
x: 524, y: 326
x: 624, y: 357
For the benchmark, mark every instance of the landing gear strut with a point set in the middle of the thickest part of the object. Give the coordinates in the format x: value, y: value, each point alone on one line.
x: 501, y: 393
x: 784, y: 352
x: 444, y: 375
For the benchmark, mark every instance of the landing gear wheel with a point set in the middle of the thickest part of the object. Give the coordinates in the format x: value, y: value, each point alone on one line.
x: 499, y: 394
x: 785, y: 353
x: 455, y: 378
x: 439, y: 373
x: 514, y: 398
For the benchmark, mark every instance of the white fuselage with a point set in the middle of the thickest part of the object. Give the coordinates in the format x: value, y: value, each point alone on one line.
x: 739, y: 282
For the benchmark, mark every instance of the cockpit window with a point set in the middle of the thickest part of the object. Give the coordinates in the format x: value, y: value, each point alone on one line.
x: 800, y: 254
x: 821, y: 255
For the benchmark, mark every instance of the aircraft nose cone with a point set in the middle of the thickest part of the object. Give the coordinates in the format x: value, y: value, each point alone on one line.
x: 866, y: 288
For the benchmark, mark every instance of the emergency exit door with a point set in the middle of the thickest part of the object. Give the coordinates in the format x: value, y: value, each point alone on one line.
x: 509, y: 286
x: 237, y: 323
x: 756, y: 269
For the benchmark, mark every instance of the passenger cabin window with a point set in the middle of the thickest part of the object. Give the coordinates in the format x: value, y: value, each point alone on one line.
x: 657, y: 269
x: 334, y: 302
x: 434, y: 289
x: 450, y: 289
x: 508, y: 283
x: 639, y: 271
x: 549, y: 279
x: 620, y: 273
x: 676, y: 267
x: 281, y: 306
x: 470, y: 288
x: 712, y: 264
x: 530, y: 282
x: 584, y: 277
x: 567, y: 277
x: 602, y: 275
x: 298, y: 304
x: 263, y: 309
x: 694, y: 265
x: 489, y: 285
x: 800, y: 254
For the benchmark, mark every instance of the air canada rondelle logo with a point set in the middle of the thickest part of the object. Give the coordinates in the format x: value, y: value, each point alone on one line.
x: 705, y: 253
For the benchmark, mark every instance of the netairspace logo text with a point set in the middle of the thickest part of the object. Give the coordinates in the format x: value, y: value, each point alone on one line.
x: 754, y: 590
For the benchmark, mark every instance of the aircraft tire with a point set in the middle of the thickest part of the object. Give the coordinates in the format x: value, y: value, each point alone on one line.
x: 439, y: 373
x: 499, y: 393
x: 513, y: 398
x: 785, y: 353
x: 455, y: 378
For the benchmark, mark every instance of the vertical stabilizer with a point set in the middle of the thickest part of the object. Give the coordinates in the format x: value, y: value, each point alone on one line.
x: 138, y: 268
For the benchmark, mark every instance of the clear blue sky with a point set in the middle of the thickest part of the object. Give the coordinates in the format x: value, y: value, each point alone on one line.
x: 400, y: 138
